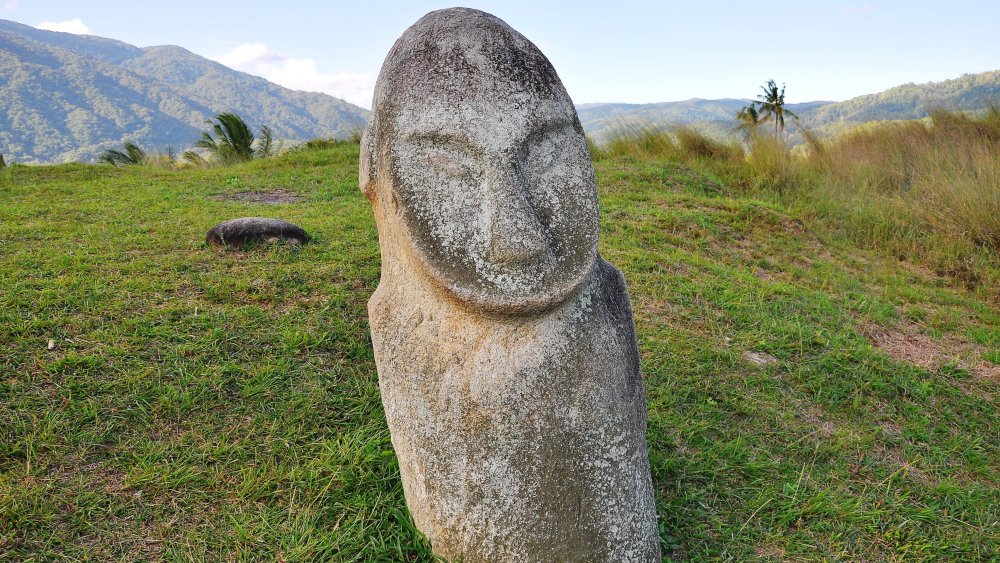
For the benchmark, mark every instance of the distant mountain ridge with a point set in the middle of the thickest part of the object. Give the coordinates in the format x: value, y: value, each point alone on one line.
x: 969, y: 92
x: 67, y: 97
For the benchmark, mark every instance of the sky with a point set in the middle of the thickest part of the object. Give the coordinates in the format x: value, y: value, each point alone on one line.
x: 634, y: 52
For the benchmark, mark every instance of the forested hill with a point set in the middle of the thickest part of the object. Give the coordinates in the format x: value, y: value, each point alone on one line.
x: 970, y: 92
x: 68, y: 97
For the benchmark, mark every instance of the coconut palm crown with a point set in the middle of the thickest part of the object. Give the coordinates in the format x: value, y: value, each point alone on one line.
x: 131, y: 155
x: 749, y: 118
x: 233, y: 141
x: 772, y: 105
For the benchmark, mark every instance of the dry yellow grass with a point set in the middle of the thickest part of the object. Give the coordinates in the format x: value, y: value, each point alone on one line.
x: 927, y: 190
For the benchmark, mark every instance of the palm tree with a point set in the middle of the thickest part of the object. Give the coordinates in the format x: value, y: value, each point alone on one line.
x: 265, y: 144
x: 772, y: 104
x: 131, y: 155
x: 233, y: 140
x: 749, y: 118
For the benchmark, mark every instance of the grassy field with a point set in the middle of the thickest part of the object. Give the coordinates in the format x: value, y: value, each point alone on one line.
x: 809, y: 398
x: 926, y: 191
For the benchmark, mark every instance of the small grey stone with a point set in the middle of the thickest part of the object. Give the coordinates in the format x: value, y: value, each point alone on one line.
x: 758, y: 358
x: 249, y: 230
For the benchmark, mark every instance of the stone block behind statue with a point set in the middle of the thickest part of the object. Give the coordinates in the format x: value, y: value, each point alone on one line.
x: 504, y: 343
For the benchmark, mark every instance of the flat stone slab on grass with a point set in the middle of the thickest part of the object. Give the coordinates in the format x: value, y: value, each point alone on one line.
x: 249, y: 230
x: 759, y: 358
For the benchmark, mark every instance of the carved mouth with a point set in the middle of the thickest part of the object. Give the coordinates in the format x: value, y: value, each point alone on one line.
x: 511, y: 289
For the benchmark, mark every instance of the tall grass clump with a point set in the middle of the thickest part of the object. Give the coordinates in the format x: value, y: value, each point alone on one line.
x: 640, y: 141
x: 692, y: 143
x: 355, y: 134
x: 771, y: 167
x: 959, y: 179
x: 166, y: 160
x: 322, y: 144
x: 676, y: 144
x: 945, y: 174
x: 926, y: 189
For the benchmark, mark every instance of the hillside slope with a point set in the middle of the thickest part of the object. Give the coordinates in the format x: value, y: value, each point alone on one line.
x: 68, y: 97
x: 970, y: 92
x: 161, y: 400
x: 292, y: 114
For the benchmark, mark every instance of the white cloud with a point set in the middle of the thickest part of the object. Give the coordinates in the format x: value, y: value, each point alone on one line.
x: 74, y: 25
x: 11, y: 5
x: 299, y: 74
x: 862, y: 9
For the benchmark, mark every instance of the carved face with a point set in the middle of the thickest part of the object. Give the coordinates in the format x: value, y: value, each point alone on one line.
x: 492, y: 178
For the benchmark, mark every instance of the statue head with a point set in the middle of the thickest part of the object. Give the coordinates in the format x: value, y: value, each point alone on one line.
x: 475, y: 155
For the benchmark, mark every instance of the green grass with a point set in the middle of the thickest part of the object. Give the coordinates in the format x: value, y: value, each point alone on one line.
x: 207, y: 405
x: 927, y: 190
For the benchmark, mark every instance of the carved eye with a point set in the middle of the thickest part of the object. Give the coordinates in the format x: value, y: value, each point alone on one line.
x: 542, y: 165
x: 447, y: 159
x: 440, y: 168
x: 441, y: 190
x: 450, y: 163
x: 543, y: 149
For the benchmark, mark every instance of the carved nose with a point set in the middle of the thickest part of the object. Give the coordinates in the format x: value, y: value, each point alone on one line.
x: 516, y: 234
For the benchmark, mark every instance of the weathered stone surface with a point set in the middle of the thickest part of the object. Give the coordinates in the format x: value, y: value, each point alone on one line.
x: 505, y: 344
x: 247, y: 230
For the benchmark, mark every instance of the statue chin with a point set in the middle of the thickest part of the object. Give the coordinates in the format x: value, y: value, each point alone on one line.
x: 538, y: 293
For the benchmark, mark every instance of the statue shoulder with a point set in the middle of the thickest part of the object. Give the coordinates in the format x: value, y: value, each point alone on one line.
x: 613, y: 288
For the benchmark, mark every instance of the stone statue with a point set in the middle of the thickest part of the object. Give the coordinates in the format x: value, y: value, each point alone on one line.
x: 505, y: 344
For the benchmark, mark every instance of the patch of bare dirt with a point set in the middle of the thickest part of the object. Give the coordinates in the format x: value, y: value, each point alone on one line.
x: 907, y: 344
x: 166, y: 432
x: 657, y: 308
x: 770, y: 552
x: 141, y: 538
x: 270, y: 196
x: 894, y: 458
x: 891, y: 428
x: 817, y: 418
